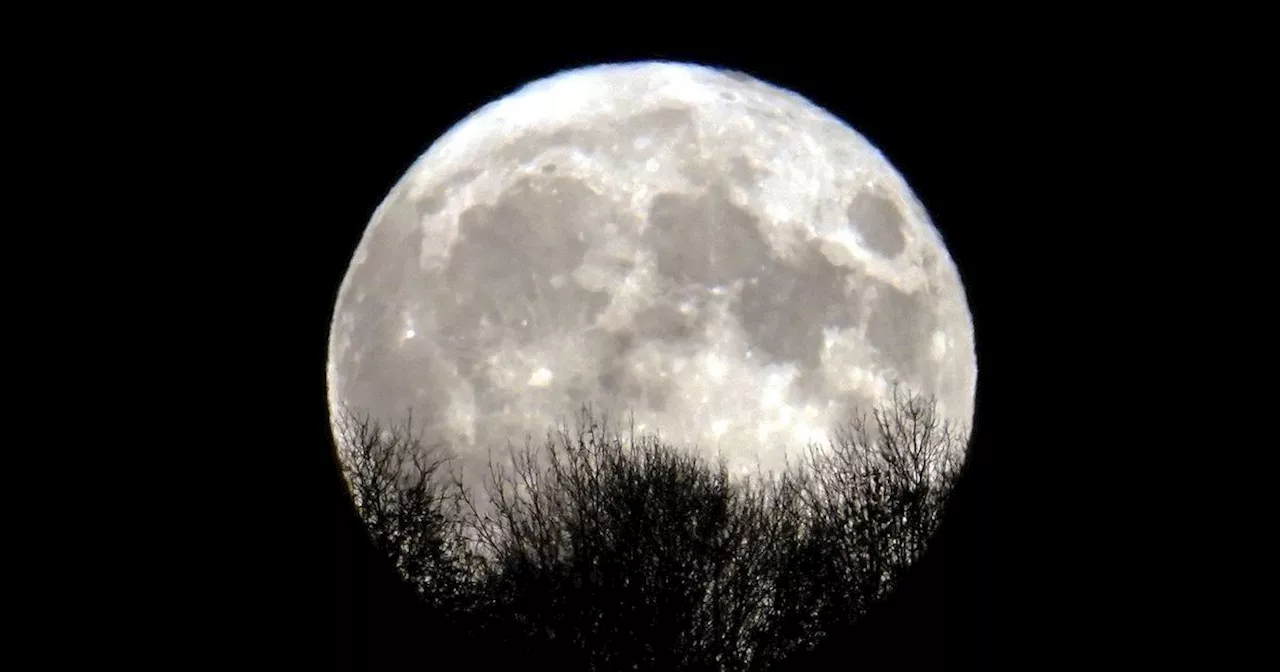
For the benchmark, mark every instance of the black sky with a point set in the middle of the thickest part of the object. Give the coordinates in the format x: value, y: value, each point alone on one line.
x: 340, y: 132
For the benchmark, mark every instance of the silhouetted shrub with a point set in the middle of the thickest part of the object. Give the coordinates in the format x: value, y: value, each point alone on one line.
x: 413, y: 516
x: 609, y: 551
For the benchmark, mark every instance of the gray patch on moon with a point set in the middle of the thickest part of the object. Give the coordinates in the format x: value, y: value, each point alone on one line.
x: 900, y: 327
x: 929, y: 260
x: 659, y: 323
x: 784, y: 316
x: 664, y: 323
x: 431, y: 203
x: 619, y: 382
x: 744, y: 173
x: 878, y: 223
x: 511, y: 251
x: 498, y: 279
x: 704, y: 239
x: 604, y: 350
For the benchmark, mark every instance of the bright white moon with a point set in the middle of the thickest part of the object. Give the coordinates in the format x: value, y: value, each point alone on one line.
x: 721, y: 257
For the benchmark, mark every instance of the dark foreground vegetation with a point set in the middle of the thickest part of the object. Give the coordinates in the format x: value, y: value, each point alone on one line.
x: 606, y: 550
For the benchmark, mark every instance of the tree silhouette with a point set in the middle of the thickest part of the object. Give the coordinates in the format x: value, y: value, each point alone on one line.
x: 608, y: 550
x: 411, y: 513
x: 614, y: 551
x: 870, y: 503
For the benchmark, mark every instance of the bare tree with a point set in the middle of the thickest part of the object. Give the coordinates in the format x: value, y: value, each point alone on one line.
x: 611, y: 550
x: 608, y: 548
x: 410, y: 511
x: 874, y: 497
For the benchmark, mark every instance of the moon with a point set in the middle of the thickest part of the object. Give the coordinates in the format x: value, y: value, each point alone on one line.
x: 715, y: 257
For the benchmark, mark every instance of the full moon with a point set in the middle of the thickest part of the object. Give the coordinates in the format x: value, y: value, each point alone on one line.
x: 709, y: 256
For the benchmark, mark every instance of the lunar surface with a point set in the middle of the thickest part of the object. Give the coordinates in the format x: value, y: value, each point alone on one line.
x: 717, y: 257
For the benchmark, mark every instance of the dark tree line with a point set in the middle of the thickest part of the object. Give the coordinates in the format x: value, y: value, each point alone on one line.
x: 607, y: 550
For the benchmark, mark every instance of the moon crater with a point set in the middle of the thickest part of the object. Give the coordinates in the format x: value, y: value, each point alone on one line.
x: 878, y: 223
